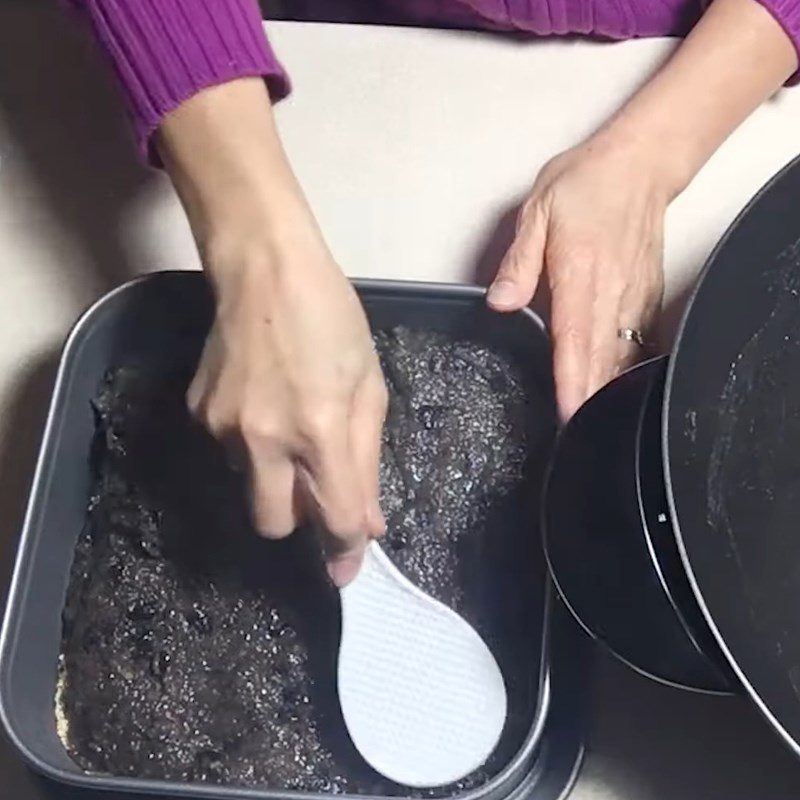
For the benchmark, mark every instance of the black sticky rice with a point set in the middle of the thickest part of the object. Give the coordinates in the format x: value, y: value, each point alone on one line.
x: 194, y: 650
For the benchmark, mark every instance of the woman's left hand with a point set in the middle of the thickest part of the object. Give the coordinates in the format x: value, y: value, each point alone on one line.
x: 594, y: 220
x: 593, y: 224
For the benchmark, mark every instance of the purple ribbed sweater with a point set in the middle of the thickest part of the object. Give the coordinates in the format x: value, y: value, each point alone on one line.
x: 166, y: 50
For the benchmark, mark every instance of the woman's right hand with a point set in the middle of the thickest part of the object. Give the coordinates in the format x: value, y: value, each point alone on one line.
x: 290, y: 382
x: 289, y: 379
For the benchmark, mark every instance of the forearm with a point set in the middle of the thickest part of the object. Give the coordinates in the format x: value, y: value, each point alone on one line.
x: 165, y: 51
x: 732, y: 61
x: 222, y: 151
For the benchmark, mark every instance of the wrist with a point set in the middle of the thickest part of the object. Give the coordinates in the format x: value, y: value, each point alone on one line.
x: 665, y: 161
x: 260, y: 259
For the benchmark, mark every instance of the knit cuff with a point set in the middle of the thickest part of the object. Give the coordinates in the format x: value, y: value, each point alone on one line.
x: 165, y: 51
x: 787, y: 15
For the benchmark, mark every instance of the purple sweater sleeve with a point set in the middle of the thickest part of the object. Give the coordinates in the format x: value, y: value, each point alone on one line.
x: 164, y: 51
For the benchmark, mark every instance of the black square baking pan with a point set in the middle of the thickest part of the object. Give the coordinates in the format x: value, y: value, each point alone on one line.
x: 161, y: 320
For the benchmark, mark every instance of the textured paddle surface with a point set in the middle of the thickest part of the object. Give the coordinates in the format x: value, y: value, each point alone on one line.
x: 422, y: 695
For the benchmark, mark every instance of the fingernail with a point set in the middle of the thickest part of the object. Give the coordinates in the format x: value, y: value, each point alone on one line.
x: 502, y: 293
x: 343, y: 570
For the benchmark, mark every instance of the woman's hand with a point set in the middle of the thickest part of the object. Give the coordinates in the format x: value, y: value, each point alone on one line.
x: 594, y: 220
x: 289, y: 380
x: 594, y: 223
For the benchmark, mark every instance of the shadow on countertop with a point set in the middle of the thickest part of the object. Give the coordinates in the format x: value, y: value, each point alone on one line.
x: 20, y: 431
x: 652, y: 742
x: 64, y: 123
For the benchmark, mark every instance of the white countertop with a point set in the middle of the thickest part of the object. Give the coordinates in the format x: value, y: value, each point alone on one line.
x: 414, y: 147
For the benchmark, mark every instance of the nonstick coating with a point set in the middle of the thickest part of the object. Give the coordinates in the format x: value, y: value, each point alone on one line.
x: 165, y: 316
x: 732, y: 448
x: 605, y: 544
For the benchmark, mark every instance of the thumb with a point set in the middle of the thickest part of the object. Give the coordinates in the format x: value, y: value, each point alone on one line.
x: 518, y: 275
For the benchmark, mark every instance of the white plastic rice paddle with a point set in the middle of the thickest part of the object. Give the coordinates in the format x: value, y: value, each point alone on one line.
x: 421, y: 693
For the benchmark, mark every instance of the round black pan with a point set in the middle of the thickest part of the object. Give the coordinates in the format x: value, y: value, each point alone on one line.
x: 731, y: 432
x: 609, y: 545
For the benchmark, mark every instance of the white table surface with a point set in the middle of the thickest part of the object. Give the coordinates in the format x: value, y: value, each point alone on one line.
x: 414, y: 147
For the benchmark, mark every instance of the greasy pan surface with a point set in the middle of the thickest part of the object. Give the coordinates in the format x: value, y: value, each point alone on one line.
x: 732, y: 448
